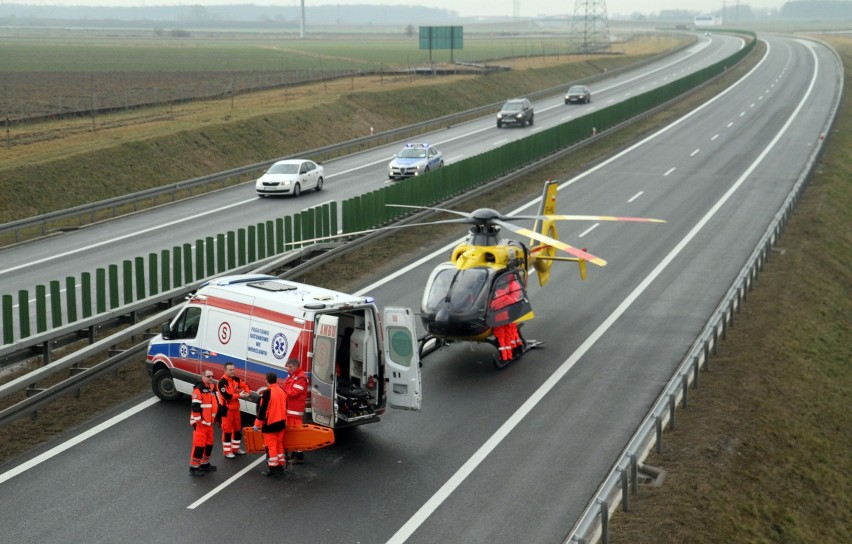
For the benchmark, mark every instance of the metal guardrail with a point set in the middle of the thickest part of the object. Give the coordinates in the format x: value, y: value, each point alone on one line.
x: 79, y: 376
x: 85, y: 214
x: 623, y: 478
x: 44, y: 341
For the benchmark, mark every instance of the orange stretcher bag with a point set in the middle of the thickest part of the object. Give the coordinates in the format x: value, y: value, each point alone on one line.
x: 253, y: 440
x: 305, y: 437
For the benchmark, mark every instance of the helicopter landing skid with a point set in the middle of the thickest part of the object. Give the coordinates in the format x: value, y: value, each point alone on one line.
x: 531, y: 344
x: 528, y: 345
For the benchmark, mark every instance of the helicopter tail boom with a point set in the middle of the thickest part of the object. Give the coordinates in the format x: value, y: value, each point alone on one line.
x: 547, y: 227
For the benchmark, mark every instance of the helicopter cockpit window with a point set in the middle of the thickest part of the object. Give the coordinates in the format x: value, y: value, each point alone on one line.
x: 469, y: 284
x: 455, y: 289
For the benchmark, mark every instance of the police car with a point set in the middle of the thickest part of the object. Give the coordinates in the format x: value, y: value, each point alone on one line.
x: 413, y: 160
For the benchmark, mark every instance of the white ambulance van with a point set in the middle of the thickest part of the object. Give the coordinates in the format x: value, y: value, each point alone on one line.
x: 258, y: 322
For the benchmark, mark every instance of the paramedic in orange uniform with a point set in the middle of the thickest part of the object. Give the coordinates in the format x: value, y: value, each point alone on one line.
x: 271, y: 419
x: 203, y: 413
x: 296, y: 388
x: 232, y: 389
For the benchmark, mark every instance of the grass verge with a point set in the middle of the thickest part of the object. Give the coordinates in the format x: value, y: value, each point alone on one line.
x: 764, y: 451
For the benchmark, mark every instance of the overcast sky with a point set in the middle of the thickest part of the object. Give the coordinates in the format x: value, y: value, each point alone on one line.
x: 528, y: 8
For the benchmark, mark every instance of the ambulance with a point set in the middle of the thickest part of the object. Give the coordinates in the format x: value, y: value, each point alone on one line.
x: 355, y: 366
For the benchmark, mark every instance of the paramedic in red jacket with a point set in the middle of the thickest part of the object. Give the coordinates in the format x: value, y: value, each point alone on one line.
x: 202, y: 414
x: 296, y: 388
x: 232, y: 389
x: 271, y: 419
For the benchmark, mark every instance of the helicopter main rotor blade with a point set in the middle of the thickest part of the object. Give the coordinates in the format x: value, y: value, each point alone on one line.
x: 454, y: 212
x: 603, y: 218
x: 331, y: 237
x: 571, y: 250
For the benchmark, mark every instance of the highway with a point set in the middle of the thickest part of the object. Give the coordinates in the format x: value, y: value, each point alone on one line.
x: 495, y: 456
x: 125, y: 238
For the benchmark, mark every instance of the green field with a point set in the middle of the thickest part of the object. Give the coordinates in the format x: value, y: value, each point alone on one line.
x: 257, y: 52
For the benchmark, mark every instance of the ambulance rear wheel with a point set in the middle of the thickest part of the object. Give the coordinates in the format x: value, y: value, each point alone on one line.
x: 164, y: 385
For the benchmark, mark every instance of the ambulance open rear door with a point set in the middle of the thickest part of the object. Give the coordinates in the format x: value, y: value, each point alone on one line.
x: 402, y: 361
x: 323, y: 371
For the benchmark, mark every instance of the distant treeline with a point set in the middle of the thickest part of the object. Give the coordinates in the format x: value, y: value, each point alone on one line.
x: 240, y: 15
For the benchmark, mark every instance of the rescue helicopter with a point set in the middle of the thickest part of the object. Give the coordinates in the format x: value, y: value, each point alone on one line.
x: 480, y: 294
x: 483, y: 287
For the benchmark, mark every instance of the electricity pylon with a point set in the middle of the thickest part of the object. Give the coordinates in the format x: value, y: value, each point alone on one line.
x: 589, y: 27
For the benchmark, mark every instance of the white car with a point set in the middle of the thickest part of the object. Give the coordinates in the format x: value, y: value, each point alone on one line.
x: 290, y: 177
x: 414, y: 160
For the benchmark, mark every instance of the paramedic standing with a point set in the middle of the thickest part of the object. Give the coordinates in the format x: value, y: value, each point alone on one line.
x: 296, y: 388
x: 202, y: 414
x: 232, y: 389
x: 271, y: 419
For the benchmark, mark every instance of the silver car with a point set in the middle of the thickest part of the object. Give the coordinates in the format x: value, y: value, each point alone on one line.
x: 290, y: 177
x: 414, y: 160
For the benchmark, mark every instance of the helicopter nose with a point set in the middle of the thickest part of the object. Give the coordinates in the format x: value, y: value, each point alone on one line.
x: 442, y: 317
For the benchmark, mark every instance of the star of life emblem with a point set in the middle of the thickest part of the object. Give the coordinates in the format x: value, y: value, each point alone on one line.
x: 279, y: 346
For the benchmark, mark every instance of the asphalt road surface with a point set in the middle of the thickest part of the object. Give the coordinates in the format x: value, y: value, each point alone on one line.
x: 495, y: 456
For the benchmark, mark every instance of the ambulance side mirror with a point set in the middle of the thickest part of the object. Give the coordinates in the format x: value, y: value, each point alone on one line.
x: 167, y: 332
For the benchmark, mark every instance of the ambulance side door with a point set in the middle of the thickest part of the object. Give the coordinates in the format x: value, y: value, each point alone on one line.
x: 323, y: 373
x: 402, y: 360
x: 185, y: 339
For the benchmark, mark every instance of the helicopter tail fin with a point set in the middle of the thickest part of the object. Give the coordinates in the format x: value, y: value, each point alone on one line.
x: 546, y: 227
x: 546, y: 254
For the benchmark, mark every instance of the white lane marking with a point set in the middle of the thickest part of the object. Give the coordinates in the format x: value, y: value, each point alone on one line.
x: 691, y: 52
x: 694, y: 153
x: 669, y: 171
x: 730, y: 124
x: 432, y: 504
x: 637, y: 195
x: 225, y: 484
x: 53, y: 452
x: 588, y: 230
x: 714, y: 137
x: 126, y: 236
x: 494, y: 440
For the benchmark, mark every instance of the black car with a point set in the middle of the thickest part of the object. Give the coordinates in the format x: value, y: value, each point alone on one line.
x: 517, y: 111
x: 578, y: 94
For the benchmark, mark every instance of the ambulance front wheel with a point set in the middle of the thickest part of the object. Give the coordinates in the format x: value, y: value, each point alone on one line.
x: 164, y: 385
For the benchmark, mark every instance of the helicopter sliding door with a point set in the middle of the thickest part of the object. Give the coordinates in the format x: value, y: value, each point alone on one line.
x: 509, y: 301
